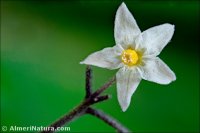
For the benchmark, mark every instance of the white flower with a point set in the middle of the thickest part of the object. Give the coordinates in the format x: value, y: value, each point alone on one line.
x: 135, y: 54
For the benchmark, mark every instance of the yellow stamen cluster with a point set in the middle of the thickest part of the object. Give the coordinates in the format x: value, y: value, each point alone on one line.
x: 129, y: 57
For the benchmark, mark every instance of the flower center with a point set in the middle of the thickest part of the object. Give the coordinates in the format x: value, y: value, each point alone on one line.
x: 129, y: 57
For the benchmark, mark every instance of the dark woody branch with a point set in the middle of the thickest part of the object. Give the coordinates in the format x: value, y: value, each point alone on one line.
x: 88, y: 82
x: 107, y: 119
x: 84, y: 107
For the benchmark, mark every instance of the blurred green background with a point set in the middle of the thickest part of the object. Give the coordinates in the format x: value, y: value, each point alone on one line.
x: 42, y: 43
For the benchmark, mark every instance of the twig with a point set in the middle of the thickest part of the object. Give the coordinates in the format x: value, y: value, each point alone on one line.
x: 104, y: 87
x: 84, y: 107
x: 88, y: 81
x: 77, y: 112
x: 109, y: 120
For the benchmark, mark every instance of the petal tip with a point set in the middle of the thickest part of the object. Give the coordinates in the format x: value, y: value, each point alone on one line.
x: 173, y: 79
x: 124, y: 104
x: 124, y: 108
x: 171, y: 25
x: 82, y: 62
x: 122, y: 6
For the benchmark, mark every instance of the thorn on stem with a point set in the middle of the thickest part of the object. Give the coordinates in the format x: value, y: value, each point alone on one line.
x: 100, y: 98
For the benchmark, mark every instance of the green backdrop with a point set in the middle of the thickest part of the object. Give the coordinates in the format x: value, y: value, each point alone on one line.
x: 42, y: 43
